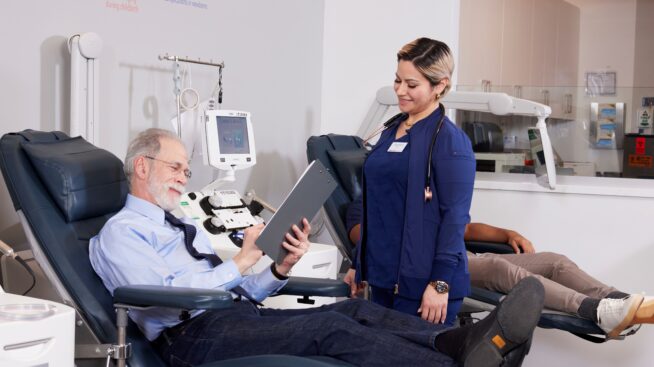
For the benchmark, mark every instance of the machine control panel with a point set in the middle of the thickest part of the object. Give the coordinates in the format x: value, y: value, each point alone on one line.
x: 224, y: 226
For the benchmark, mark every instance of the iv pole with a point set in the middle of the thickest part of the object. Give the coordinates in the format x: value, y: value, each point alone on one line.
x: 177, y: 81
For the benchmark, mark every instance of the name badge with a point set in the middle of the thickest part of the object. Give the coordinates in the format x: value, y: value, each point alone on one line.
x: 397, y: 147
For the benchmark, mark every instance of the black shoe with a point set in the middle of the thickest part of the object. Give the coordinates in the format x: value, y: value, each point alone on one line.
x: 508, y: 327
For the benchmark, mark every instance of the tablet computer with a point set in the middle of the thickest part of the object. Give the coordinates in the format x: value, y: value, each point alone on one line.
x: 305, y: 199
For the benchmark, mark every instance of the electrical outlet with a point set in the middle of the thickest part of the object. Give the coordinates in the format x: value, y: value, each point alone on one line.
x: 648, y: 101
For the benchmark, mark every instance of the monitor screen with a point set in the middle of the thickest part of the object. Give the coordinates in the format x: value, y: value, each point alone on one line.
x: 228, y: 141
x: 233, y: 135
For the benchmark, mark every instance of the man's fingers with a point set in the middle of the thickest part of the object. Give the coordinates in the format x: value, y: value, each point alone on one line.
x: 306, y: 227
x: 293, y: 249
x: 513, y: 244
x: 292, y: 240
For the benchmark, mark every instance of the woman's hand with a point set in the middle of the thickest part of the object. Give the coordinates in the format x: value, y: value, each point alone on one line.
x: 350, y: 279
x: 433, y: 307
x: 296, y: 246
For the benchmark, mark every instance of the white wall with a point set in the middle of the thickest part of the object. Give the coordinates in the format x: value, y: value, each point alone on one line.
x: 360, y: 46
x: 273, y: 61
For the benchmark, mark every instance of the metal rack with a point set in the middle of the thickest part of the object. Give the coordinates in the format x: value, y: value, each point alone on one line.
x: 177, y: 80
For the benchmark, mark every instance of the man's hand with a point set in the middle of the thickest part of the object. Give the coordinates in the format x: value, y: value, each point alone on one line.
x: 517, y: 241
x: 250, y: 253
x: 350, y: 279
x: 297, y: 246
x: 433, y: 307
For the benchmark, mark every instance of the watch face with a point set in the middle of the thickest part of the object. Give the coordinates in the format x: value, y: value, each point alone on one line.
x: 442, y: 287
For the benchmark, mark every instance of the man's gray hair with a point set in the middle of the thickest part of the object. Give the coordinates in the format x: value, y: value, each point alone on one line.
x: 146, y: 143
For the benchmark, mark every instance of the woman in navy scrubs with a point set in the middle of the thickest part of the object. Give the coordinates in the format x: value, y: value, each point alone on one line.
x: 417, y: 189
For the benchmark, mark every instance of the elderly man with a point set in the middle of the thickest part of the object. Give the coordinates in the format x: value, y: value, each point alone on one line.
x: 145, y: 244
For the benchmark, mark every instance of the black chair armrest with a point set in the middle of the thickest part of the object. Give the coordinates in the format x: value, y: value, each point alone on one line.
x: 174, y: 297
x: 494, y: 247
x: 302, y: 286
x: 486, y: 296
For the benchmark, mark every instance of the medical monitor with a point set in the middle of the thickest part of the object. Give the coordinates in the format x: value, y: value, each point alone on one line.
x: 229, y: 140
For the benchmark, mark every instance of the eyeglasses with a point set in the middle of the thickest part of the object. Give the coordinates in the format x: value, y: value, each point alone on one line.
x: 176, y: 167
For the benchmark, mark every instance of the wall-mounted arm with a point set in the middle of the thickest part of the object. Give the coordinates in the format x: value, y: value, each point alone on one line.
x: 495, y: 103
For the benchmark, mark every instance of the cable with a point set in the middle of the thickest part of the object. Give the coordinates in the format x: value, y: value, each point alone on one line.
x: 219, y: 89
x: 29, y: 270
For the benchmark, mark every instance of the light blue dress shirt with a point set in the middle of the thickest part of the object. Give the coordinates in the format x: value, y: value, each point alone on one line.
x: 138, y: 246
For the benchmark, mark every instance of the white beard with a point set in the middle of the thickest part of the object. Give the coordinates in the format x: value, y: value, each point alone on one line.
x: 161, y: 196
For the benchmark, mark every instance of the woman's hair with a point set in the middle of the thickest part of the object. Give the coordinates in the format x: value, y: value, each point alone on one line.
x: 146, y: 143
x: 432, y: 58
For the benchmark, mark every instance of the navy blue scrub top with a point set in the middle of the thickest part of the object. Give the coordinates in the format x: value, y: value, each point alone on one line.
x: 386, y: 176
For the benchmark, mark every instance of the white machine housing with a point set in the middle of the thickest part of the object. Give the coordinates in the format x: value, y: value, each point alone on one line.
x: 228, y: 140
x: 35, y: 332
x: 228, y: 145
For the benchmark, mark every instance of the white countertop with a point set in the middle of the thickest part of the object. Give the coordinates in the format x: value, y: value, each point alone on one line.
x: 605, y: 186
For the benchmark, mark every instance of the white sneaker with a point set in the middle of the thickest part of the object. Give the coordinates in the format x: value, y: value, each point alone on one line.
x: 615, y: 315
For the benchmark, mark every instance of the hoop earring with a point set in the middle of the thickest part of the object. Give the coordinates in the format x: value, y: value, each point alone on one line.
x: 438, y: 96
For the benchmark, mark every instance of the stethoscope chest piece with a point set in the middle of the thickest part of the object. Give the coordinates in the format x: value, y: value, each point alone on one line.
x: 428, y: 194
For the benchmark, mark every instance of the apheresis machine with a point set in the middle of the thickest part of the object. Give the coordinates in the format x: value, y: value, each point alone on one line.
x: 35, y: 332
x: 222, y: 213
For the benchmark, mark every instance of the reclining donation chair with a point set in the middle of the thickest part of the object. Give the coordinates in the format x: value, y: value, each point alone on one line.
x: 343, y: 155
x: 64, y: 190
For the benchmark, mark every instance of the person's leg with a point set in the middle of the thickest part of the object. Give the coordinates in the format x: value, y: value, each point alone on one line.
x: 375, y: 317
x: 505, y: 331
x: 502, y: 272
x: 560, y: 269
x: 357, y: 332
x: 381, y: 296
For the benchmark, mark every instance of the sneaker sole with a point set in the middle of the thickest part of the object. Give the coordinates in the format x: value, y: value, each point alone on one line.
x: 516, y: 318
x: 629, y: 319
x: 645, y: 313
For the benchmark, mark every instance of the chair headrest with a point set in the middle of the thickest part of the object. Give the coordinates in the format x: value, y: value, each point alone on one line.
x: 83, y: 180
x: 348, y: 165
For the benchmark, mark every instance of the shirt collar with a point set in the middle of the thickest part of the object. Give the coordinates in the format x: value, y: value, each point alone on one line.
x: 145, y: 208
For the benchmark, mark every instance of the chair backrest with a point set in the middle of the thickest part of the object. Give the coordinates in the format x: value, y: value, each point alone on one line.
x: 67, y: 189
x: 343, y: 155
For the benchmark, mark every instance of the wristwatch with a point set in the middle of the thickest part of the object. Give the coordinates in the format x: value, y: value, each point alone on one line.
x: 440, y: 286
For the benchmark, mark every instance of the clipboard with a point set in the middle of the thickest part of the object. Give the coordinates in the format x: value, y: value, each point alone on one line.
x: 305, y: 199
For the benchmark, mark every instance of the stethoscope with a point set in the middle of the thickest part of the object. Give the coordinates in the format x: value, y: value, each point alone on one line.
x: 393, y: 121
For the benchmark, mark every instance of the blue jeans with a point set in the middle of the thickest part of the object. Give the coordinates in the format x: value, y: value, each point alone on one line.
x: 355, y: 331
x: 386, y: 297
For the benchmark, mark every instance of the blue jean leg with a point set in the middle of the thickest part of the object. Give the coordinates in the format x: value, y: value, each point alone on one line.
x: 354, y: 331
x: 386, y: 297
